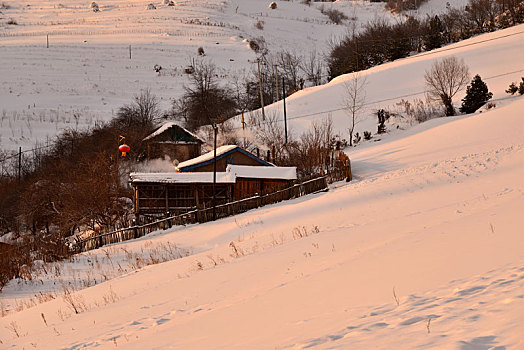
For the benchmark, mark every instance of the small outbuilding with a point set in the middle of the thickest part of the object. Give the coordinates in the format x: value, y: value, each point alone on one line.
x: 174, y: 141
x: 252, y: 181
x: 226, y: 155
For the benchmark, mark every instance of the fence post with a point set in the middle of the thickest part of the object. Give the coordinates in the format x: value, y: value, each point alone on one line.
x: 135, y: 229
x: 348, y: 170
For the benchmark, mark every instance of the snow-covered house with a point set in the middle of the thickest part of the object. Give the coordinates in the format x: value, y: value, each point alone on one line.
x: 180, y: 192
x: 174, y: 141
x: 228, y: 154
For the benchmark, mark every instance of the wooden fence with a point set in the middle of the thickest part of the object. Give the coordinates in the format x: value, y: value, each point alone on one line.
x: 201, y: 215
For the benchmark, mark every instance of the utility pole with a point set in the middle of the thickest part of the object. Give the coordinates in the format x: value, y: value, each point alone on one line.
x: 284, y: 99
x: 215, y: 129
x: 47, y: 40
x: 261, y: 94
x: 276, y: 82
x: 356, y: 51
x: 19, y: 164
x: 243, y: 130
x: 129, y: 51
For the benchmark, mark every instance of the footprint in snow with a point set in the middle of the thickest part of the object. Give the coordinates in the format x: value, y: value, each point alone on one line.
x: 481, y: 343
x: 472, y: 290
x: 162, y: 321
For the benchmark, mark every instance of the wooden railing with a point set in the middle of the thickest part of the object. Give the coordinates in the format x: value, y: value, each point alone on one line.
x: 201, y: 215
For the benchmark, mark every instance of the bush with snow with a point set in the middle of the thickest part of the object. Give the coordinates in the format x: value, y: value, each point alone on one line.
x: 94, y: 7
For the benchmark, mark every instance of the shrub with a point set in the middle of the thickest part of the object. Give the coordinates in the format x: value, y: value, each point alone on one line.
x: 356, y: 138
x: 334, y: 15
x: 419, y: 110
x: 259, y: 25
x: 382, y: 115
x: 512, y: 89
x: 367, y: 135
x: 258, y: 45
x: 200, y: 51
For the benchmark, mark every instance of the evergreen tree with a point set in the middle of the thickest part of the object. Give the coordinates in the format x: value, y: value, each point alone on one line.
x: 521, y: 87
x: 512, y: 89
x: 477, y: 95
x: 434, y: 38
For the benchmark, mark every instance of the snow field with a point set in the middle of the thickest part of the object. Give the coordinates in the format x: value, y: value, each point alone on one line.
x: 439, y: 224
x: 87, y: 66
x: 423, y: 249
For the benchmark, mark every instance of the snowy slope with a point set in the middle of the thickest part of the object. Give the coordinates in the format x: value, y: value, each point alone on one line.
x: 86, y: 75
x: 497, y: 63
x: 443, y: 232
x: 87, y: 70
x: 423, y: 249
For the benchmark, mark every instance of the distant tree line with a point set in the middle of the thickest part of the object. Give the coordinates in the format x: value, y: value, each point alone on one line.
x: 380, y: 41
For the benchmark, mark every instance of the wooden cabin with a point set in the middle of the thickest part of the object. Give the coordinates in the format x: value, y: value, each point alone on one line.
x: 226, y: 155
x: 177, y: 193
x: 173, y: 141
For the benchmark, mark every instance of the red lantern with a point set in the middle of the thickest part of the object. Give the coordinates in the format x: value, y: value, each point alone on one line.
x: 124, y: 149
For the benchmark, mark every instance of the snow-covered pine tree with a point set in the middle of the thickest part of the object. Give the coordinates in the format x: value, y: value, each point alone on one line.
x: 477, y: 95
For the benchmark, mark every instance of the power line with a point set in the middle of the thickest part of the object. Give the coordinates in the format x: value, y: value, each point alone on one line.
x: 378, y: 101
x: 28, y: 150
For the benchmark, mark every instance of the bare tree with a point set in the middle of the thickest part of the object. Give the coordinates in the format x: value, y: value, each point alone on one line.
x: 289, y: 64
x: 144, y: 110
x: 354, y: 100
x: 204, y: 102
x: 313, y: 68
x: 270, y: 133
x: 445, y: 79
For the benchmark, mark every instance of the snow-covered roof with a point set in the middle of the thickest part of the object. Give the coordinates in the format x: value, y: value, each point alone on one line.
x: 207, y: 157
x: 201, y: 177
x: 262, y: 172
x: 168, y: 125
x: 232, y: 173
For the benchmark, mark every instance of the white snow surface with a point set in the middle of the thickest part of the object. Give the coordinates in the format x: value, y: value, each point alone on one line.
x: 262, y: 172
x: 432, y: 217
x: 423, y: 249
x: 200, y: 177
x: 86, y: 74
x: 166, y: 126
x: 207, y: 156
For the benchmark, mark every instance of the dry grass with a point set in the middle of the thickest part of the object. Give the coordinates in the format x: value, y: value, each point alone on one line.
x: 13, y: 327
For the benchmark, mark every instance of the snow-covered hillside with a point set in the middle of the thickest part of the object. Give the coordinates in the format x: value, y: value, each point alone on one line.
x: 424, y: 249
x: 86, y: 75
x: 87, y: 70
x: 494, y: 56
